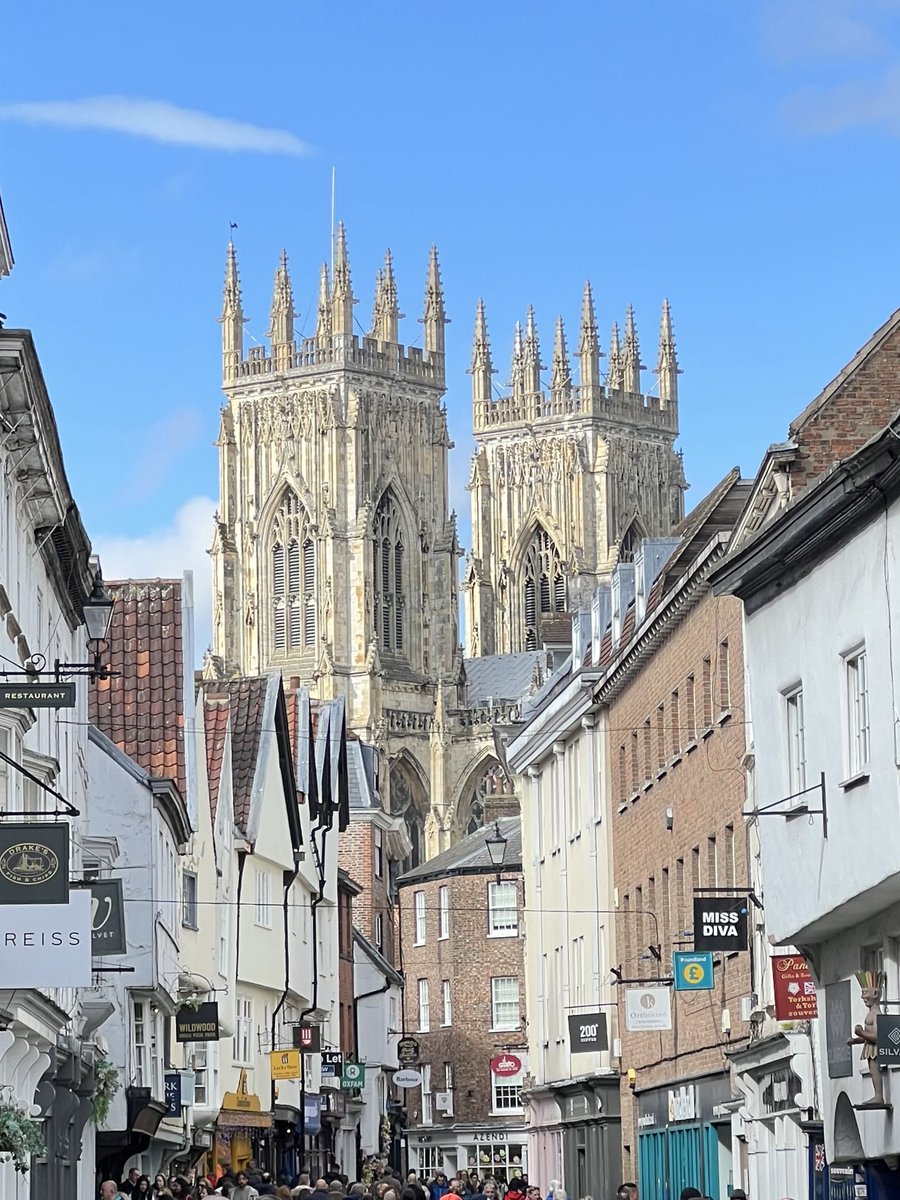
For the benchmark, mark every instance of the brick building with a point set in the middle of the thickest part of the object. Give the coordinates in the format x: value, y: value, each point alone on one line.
x: 464, y: 1003
x: 673, y: 689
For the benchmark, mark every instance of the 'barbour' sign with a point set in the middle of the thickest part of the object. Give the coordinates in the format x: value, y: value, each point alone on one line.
x: 720, y: 923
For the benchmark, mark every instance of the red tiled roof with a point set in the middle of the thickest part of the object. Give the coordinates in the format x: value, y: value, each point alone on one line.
x: 141, y: 710
x: 217, y: 710
x: 246, y: 705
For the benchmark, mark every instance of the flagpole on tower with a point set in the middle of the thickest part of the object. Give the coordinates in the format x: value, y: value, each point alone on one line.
x: 332, y: 220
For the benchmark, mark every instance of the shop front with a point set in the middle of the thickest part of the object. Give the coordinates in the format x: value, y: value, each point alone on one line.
x: 684, y: 1138
x: 243, y: 1129
x: 502, y: 1153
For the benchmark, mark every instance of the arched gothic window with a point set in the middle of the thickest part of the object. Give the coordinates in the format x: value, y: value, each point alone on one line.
x: 293, y: 564
x: 631, y: 539
x: 390, y: 576
x: 408, y: 801
x: 544, y: 591
x: 491, y: 782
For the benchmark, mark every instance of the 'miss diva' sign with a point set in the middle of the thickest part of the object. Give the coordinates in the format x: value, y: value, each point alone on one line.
x: 720, y: 923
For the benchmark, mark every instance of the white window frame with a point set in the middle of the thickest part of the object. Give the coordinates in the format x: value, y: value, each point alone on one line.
x: 501, y: 1010
x: 448, y: 1088
x: 147, y: 1046
x: 379, y: 931
x: 856, y: 674
x: 572, y: 787
x: 420, y: 917
x: 378, y: 846
x: 443, y: 913
x: 190, y: 915
x: 263, y: 914
x: 427, y: 1103
x: 795, y: 731
x: 447, y: 1004
x: 424, y: 1007
x: 506, y: 1093
x: 242, y: 1042
x: 503, y: 918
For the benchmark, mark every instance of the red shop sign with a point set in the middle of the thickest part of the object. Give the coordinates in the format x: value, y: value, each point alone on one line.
x: 795, y: 992
x: 506, y: 1064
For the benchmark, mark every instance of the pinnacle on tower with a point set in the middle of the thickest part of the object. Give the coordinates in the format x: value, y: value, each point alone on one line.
x: 232, y: 318
x: 342, y: 299
x: 389, y: 328
x: 561, y: 379
x: 281, y: 318
x: 482, y: 368
x: 517, y: 375
x: 434, y: 318
x: 323, y: 313
x: 377, y: 305
x: 614, y: 372
x: 631, y: 360
x: 531, y: 355
x: 589, y: 345
x: 667, y: 362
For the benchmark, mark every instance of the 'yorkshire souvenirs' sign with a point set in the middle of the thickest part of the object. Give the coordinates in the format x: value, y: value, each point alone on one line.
x: 720, y: 923
x: 34, y: 863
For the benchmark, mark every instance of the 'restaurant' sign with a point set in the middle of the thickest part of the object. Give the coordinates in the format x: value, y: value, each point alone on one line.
x: 37, y: 695
x: 46, y: 945
x: 199, y: 1024
x: 34, y: 863
x: 795, y: 991
x: 107, y: 917
x: 720, y: 923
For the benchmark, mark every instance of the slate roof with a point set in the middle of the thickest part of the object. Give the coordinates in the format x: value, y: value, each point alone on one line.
x: 141, y: 710
x: 246, y: 704
x: 501, y: 676
x: 471, y: 855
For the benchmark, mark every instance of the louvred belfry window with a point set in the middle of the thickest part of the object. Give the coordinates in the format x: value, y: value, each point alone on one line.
x: 544, y: 586
x: 390, y: 576
x: 293, y: 564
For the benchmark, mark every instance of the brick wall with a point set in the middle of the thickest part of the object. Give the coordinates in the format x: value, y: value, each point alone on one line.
x: 468, y: 958
x: 677, y: 736
x: 345, y: 970
x: 356, y: 856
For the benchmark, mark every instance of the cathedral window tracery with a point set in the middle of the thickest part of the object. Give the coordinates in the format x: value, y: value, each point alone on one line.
x: 390, y: 576
x: 544, y: 586
x: 293, y: 566
x: 493, y: 781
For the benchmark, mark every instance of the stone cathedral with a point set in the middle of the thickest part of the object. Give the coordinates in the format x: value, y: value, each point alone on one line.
x: 335, y: 557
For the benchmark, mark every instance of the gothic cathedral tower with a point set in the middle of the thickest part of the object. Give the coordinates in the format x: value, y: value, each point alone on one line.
x: 334, y: 555
x: 565, y: 480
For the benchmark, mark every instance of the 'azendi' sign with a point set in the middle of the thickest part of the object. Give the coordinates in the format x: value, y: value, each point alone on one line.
x: 720, y: 923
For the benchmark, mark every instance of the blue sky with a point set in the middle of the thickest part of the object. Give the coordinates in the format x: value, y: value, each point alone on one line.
x: 740, y: 159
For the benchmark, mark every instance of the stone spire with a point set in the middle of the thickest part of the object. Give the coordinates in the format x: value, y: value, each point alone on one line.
x: 482, y: 368
x: 614, y: 372
x: 589, y: 344
x: 561, y: 379
x: 517, y: 375
x: 232, y: 318
x: 531, y: 358
x: 667, y: 362
x: 386, y: 319
x: 342, y: 299
x: 435, y: 317
x: 631, y: 360
x: 377, y: 305
x: 281, y: 317
x: 323, y: 312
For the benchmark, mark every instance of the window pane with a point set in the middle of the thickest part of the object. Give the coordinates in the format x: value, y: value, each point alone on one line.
x: 505, y: 1002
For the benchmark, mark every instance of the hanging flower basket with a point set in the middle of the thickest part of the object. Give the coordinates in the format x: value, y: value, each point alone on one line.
x: 20, y: 1137
x: 106, y: 1084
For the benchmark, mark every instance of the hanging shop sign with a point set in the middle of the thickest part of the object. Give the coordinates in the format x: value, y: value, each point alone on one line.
x: 838, y: 1023
x: 587, y: 1032
x: 407, y: 1079
x: 173, y: 1094
x: 353, y: 1075
x: 308, y: 1037
x: 692, y: 972
x: 107, y: 918
x: 47, y: 945
x: 34, y: 863
x: 285, y: 1064
x: 332, y: 1061
x: 407, y: 1052
x: 888, y: 1044
x: 647, y: 1009
x: 37, y: 695
x: 720, y: 923
x: 242, y: 1109
x: 200, y: 1024
x: 795, y: 991
x: 506, y: 1065
x: 312, y: 1114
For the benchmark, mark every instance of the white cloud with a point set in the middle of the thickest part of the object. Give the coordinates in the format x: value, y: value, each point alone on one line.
x: 158, y: 120
x: 166, y: 553
x: 851, y: 105
x: 164, y: 442
x: 808, y: 29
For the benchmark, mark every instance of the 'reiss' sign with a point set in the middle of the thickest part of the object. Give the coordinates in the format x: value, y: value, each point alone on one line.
x: 720, y: 923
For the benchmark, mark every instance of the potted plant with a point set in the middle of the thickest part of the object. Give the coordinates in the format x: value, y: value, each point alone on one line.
x: 21, y: 1136
x: 106, y: 1084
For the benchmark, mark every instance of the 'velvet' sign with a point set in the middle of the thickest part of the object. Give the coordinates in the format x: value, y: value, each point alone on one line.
x: 720, y: 923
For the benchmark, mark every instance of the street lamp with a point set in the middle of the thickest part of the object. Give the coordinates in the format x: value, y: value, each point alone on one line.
x: 97, y: 611
x: 496, y: 848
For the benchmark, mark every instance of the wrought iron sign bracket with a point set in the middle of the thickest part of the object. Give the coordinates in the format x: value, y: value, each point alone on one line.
x: 799, y: 810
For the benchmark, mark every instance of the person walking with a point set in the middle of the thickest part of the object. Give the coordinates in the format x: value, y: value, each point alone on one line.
x: 243, y: 1189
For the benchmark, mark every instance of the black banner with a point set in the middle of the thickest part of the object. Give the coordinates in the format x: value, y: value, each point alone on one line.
x: 587, y: 1032
x: 37, y: 695
x: 34, y: 863
x: 720, y: 923
x: 173, y: 1094
x: 407, y: 1052
x: 107, y: 917
x: 307, y: 1038
x: 199, y: 1024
